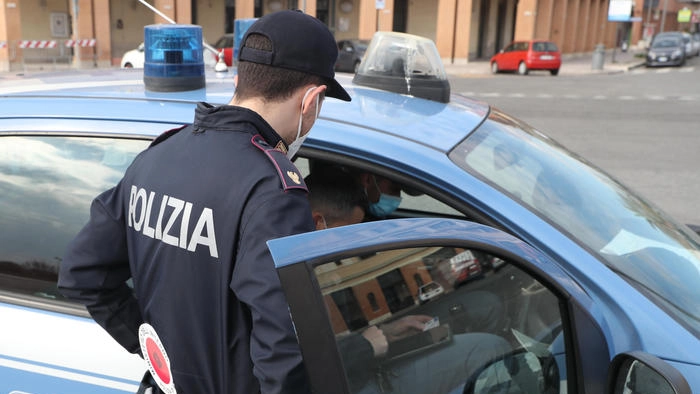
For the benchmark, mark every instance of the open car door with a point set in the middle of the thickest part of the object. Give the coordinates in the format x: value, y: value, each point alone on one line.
x: 522, y: 325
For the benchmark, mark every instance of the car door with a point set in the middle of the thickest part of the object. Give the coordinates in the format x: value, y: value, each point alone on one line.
x: 48, y: 180
x: 514, y: 54
x: 524, y: 327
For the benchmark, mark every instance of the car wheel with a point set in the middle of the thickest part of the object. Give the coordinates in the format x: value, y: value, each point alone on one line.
x: 356, y: 67
x: 554, y: 72
x: 128, y: 65
x: 522, y: 68
x: 494, y: 68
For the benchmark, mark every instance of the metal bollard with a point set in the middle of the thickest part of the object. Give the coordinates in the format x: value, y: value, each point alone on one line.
x: 598, y: 57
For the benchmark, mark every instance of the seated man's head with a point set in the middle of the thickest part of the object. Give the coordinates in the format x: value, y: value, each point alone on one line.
x: 335, y: 198
x: 383, y: 194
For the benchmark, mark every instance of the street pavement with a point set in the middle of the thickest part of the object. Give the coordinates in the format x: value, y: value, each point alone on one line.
x: 615, y: 61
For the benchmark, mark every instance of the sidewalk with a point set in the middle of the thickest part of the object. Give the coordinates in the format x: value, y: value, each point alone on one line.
x: 615, y: 61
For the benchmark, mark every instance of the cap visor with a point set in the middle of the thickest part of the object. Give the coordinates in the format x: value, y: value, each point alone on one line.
x: 337, y: 91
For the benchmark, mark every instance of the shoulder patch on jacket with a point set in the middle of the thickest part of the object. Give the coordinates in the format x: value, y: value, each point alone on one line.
x: 167, y: 134
x: 289, y: 174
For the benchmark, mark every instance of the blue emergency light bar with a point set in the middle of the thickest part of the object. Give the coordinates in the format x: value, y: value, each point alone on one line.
x: 174, y: 59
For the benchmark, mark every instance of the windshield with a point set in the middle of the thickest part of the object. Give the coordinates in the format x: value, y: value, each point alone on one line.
x: 666, y: 43
x: 658, y: 256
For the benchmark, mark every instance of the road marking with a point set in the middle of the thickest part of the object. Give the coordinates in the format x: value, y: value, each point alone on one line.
x: 627, y: 98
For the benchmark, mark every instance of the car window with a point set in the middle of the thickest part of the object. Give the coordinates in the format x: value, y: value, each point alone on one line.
x: 650, y: 250
x: 413, y: 203
x: 544, y: 47
x: 47, y: 186
x: 456, y: 321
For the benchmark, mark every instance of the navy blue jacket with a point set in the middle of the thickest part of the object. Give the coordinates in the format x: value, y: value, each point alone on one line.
x: 188, y: 222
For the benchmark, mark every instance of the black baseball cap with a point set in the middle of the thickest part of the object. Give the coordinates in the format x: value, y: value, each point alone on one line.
x: 299, y: 42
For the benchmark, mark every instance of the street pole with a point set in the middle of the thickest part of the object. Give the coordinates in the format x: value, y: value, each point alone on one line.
x: 648, y: 24
x: 663, y: 16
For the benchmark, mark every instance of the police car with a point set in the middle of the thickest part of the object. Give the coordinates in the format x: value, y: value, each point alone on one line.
x: 596, y: 289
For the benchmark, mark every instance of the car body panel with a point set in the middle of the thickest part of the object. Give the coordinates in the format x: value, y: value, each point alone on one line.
x: 102, y: 366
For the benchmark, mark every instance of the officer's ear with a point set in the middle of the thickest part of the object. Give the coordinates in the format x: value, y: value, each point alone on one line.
x: 314, y: 94
x: 319, y: 220
x: 235, y: 80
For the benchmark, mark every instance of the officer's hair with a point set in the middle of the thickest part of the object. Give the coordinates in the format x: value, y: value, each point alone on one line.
x: 267, y: 82
x: 335, y: 193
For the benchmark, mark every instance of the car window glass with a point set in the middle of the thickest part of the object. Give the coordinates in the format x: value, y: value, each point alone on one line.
x: 47, y: 186
x: 544, y: 47
x: 647, y: 248
x: 413, y: 202
x: 454, y: 320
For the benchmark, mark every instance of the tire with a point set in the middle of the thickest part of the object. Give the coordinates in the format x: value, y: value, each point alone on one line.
x: 128, y: 65
x: 554, y: 72
x: 494, y: 68
x: 522, y: 69
x: 356, y: 67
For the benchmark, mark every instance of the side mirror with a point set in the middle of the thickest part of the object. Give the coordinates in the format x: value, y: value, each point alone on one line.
x: 642, y: 373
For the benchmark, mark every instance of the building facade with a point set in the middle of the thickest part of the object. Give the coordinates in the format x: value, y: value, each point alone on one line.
x: 96, y: 33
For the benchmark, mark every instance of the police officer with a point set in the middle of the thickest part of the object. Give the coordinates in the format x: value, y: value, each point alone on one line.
x: 189, y: 221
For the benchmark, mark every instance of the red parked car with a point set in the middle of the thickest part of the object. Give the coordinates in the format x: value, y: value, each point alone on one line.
x: 523, y: 56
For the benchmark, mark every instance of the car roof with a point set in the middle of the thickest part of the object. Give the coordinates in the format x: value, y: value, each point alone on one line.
x: 119, y: 94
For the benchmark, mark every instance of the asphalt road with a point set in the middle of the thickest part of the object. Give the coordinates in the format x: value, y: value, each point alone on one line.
x: 641, y: 126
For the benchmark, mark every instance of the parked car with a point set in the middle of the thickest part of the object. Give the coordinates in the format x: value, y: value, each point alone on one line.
x: 350, y: 53
x: 225, y: 44
x: 524, y: 56
x: 429, y: 291
x: 464, y: 266
x: 667, y: 50
x: 133, y: 58
x: 596, y: 291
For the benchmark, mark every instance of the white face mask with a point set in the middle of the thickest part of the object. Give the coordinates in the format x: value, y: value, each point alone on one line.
x: 296, y: 144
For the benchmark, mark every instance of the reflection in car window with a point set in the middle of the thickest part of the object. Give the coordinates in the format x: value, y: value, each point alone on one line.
x: 473, y: 313
x: 47, y: 186
x: 419, y: 204
x: 658, y: 256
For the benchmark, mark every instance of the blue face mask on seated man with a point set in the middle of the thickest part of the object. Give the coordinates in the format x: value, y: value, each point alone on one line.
x: 386, y: 205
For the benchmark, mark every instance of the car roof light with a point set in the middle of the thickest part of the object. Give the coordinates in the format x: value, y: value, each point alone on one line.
x: 404, y: 63
x: 174, y: 59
